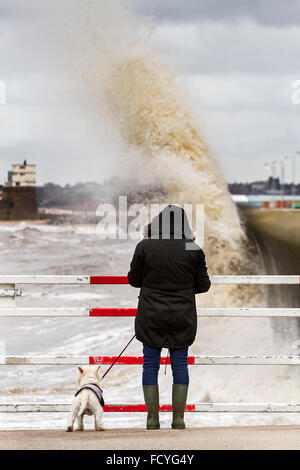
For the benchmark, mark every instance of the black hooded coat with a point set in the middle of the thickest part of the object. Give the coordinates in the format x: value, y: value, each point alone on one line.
x: 170, y: 269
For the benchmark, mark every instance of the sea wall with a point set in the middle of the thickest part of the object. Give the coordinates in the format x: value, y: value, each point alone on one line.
x: 277, y: 236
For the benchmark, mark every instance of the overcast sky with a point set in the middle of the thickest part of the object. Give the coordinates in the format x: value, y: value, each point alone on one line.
x: 239, y: 59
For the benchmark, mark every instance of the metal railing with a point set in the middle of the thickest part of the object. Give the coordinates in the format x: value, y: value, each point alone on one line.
x: 8, y: 308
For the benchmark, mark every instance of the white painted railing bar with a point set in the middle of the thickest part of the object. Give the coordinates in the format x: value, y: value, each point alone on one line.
x: 43, y: 279
x: 46, y: 312
x: 267, y: 279
x: 248, y: 407
x: 247, y: 312
x: 247, y: 360
x: 201, y: 312
x: 138, y: 360
x: 79, y: 279
x: 197, y: 407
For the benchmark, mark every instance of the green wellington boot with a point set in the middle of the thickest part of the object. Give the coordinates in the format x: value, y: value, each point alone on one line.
x: 151, y: 396
x: 179, y: 394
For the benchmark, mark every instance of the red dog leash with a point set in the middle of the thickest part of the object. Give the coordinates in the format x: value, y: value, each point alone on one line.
x: 106, y: 372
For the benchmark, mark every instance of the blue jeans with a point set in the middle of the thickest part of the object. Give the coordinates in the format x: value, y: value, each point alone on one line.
x: 151, y: 365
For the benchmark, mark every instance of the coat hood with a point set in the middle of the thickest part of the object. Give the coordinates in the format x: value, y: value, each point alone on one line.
x: 171, y: 222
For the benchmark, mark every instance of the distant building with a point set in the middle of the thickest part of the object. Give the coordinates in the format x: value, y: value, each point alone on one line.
x: 22, y: 175
x: 18, y: 195
x: 271, y: 186
x: 258, y: 187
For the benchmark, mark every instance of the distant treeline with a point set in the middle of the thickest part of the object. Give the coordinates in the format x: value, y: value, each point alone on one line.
x: 54, y: 195
x: 89, y: 195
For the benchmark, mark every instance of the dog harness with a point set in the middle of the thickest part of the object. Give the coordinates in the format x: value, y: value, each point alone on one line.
x: 96, y: 389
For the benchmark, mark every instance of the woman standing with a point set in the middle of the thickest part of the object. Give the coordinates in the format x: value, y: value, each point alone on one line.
x: 170, y: 269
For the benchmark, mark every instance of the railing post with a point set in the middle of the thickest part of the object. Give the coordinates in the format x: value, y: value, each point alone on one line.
x: 8, y: 294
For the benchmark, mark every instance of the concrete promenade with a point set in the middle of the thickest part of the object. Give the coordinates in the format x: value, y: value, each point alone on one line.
x: 234, y: 438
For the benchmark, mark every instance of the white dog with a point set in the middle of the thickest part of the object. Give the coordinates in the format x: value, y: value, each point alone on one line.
x: 88, y: 399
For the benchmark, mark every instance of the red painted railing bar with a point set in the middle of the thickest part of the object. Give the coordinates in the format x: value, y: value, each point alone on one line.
x: 134, y: 360
x: 113, y: 312
x: 141, y: 408
x: 109, y: 280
